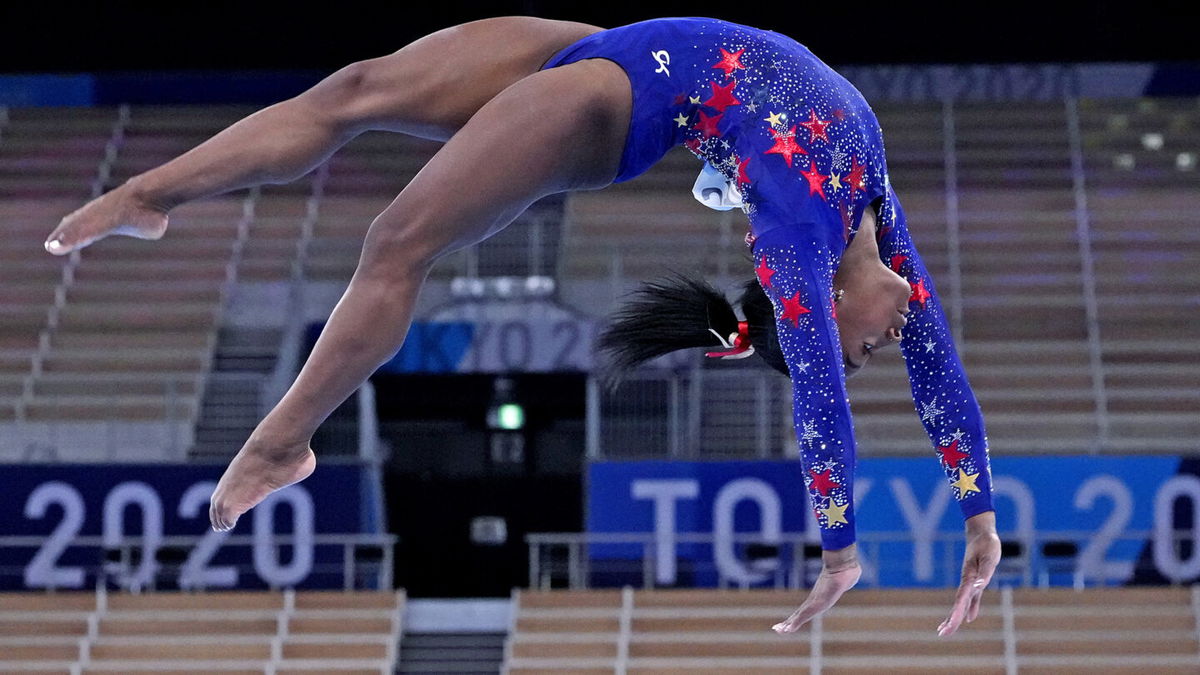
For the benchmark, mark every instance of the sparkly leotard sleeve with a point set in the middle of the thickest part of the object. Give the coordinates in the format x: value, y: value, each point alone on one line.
x: 805, y: 153
x: 940, y: 391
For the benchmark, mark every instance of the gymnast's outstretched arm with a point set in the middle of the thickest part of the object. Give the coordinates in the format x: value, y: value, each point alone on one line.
x: 800, y: 286
x: 949, y: 412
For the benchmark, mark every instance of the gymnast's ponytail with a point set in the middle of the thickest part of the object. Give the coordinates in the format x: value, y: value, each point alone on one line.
x: 681, y: 312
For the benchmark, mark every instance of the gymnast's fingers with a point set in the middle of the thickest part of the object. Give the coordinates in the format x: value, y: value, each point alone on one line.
x: 962, y: 601
x: 976, y: 601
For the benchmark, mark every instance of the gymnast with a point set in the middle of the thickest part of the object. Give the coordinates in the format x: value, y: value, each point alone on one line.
x: 529, y: 107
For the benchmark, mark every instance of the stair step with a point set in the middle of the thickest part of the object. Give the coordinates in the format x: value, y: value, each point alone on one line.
x: 453, y: 640
x: 452, y: 653
x: 221, y: 417
x: 486, y: 668
x: 455, y: 655
x: 242, y: 362
x: 223, y: 437
x: 215, y: 451
x: 221, y: 401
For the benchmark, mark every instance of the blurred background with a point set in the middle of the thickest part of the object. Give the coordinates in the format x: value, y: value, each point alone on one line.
x: 483, y: 503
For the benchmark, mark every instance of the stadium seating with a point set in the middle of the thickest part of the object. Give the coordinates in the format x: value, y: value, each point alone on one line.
x: 181, y: 633
x: 89, y: 343
x: 48, y: 161
x: 1140, y: 158
x: 677, y: 632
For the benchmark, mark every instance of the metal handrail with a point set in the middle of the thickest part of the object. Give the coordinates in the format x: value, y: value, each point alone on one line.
x: 943, y: 542
x: 625, y: 632
x: 226, y: 292
x: 293, y: 329
x: 1010, y: 632
x: 953, y: 245
x: 1195, y: 603
x: 43, y: 437
x: 1083, y: 233
x: 348, y: 542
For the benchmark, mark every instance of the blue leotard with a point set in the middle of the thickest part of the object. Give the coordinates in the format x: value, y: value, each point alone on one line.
x: 806, y: 153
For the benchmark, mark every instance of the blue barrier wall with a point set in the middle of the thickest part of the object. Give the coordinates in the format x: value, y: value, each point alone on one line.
x: 57, y: 505
x: 1121, y: 512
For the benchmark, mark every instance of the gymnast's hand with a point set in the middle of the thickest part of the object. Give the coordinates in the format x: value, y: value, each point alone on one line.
x: 121, y: 211
x: 979, y: 563
x: 839, y: 573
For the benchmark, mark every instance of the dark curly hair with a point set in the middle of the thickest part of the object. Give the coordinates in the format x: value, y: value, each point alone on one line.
x: 676, y: 312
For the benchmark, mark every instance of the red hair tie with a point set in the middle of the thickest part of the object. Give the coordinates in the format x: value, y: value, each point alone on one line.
x: 738, y: 345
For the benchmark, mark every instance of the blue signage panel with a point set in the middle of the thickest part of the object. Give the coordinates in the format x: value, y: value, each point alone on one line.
x: 1124, y: 515
x: 491, y: 346
x: 79, y: 519
x: 47, y: 90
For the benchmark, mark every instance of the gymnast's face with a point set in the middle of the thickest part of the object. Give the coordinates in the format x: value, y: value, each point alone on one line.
x: 871, y: 314
x: 874, y: 304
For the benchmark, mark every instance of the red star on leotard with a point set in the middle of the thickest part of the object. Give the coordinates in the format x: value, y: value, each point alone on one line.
x: 897, y: 261
x: 822, y: 482
x: 764, y: 272
x: 722, y: 97
x: 919, y: 294
x: 693, y: 144
x: 743, y: 178
x: 792, y: 309
x: 839, y: 114
x: 785, y: 144
x: 681, y: 99
x: 816, y: 181
x: 951, y: 455
x: 730, y: 62
x: 708, y: 125
x: 816, y: 127
x: 855, y: 178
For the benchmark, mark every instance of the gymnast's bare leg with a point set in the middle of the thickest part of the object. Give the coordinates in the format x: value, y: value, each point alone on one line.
x: 429, y: 88
x: 476, y: 84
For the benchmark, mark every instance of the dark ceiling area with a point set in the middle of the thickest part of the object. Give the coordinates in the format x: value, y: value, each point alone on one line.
x: 45, y: 37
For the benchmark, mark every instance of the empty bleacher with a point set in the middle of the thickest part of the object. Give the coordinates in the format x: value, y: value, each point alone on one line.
x: 116, y: 342
x: 1027, y: 631
x: 1140, y: 161
x: 1014, y: 285
x: 48, y: 163
x: 188, y: 634
x: 126, y: 333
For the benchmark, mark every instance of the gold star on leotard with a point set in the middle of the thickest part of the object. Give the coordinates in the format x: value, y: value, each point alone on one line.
x: 775, y: 119
x: 834, y: 182
x: 835, y: 514
x: 681, y: 120
x: 965, y: 484
x: 694, y: 100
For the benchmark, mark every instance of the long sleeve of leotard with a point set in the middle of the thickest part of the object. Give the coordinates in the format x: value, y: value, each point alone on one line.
x: 942, y: 396
x: 795, y: 267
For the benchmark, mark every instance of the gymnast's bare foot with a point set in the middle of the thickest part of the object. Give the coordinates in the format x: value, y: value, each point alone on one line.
x: 121, y: 211
x: 254, y: 474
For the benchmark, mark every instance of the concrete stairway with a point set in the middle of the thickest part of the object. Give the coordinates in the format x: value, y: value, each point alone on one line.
x: 461, y: 653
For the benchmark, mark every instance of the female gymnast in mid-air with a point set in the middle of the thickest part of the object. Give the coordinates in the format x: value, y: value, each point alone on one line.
x: 530, y: 107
